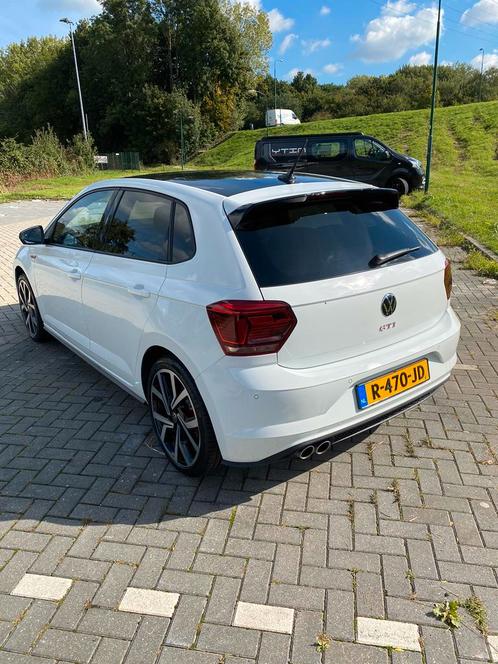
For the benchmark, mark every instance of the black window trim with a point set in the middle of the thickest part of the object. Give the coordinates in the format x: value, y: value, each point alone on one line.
x: 108, y: 216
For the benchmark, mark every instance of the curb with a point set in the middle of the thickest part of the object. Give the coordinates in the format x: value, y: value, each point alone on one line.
x: 479, y: 247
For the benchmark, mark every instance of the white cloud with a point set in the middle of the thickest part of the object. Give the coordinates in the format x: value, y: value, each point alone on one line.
x: 325, y: 10
x: 397, y: 7
x: 287, y: 42
x: 490, y: 60
x: 72, y: 6
x: 400, y: 27
x: 484, y: 11
x: 290, y: 74
x: 332, y: 68
x: 278, y: 22
x: 312, y: 45
x: 422, y: 58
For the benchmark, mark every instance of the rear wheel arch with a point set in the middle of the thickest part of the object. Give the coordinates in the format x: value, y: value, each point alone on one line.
x: 158, y: 359
x: 18, y: 272
x: 151, y: 355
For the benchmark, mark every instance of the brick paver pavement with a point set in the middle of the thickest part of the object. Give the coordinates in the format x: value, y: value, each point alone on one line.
x: 380, y: 530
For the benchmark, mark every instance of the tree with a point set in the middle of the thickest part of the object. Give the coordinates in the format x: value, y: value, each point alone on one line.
x: 34, y: 88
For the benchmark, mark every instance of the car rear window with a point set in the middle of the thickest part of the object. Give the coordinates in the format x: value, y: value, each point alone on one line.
x: 289, y: 243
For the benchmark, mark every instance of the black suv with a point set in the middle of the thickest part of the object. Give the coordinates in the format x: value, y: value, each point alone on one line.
x: 352, y: 156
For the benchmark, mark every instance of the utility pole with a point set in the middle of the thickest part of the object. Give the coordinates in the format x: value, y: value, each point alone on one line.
x: 70, y: 24
x: 482, y: 73
x: 433, y: 101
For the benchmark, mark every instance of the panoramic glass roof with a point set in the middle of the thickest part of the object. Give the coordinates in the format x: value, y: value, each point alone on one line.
x: 229, y: 183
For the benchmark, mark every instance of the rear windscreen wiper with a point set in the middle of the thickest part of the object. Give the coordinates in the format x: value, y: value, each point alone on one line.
x: 381, y: 259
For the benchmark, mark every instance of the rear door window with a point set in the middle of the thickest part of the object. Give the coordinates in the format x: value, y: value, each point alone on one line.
x: 140, y: 227
x: 288, y: 243
x: 329, y: 150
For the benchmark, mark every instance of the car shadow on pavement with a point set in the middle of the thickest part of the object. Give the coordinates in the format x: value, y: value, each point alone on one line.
x: 74, y: 447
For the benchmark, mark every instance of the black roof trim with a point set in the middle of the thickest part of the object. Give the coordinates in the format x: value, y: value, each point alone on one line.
x: 284, y: 137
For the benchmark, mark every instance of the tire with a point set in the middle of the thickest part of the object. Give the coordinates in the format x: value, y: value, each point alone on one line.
x: 181, y: 423
x: 29, y: 310
x: 401, y: 185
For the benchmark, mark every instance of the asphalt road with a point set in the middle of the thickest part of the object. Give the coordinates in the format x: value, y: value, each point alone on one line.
x: 29, y: 212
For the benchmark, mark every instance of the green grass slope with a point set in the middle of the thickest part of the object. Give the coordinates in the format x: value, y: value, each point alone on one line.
x: 464, y: 186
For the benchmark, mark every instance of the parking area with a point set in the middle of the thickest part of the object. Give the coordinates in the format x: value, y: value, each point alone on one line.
x: 108, y: 555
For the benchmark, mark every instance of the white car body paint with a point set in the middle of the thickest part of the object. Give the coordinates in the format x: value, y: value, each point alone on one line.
x: 111, y: 309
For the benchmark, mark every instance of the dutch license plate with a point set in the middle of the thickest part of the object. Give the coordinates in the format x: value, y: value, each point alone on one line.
x: 392, y: 383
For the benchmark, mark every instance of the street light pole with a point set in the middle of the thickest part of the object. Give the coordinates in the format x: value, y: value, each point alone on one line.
x: 482, y: 72
x: 275, y: 89
x: 433, y: 101
x: 70, y: 23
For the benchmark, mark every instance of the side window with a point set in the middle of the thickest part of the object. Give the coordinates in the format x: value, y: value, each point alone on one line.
x: 365, y: 148
x: 81, y: 225
x: 140, y: 227
x: 336, y: 149
x: 183, y: 235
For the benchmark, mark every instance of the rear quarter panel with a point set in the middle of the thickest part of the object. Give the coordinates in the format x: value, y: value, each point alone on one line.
x: 218, y: 271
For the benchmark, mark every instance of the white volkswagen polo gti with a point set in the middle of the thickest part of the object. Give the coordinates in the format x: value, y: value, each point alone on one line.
x: 256, y: 317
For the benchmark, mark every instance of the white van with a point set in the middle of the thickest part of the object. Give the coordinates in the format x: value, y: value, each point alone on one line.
x: 281, y: 116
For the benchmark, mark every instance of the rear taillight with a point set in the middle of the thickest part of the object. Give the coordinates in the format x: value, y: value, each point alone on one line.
x: 448, y: 278
x: 245, y: 327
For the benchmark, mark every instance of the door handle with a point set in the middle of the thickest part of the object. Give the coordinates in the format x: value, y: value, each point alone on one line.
x: 138, y: 290
x: 74, y: 273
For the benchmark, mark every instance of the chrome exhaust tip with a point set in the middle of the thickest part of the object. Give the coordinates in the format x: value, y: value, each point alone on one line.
x: 323, y: 447
x: 306, y: 452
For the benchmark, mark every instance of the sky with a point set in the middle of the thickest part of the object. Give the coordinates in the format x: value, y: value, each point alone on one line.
x: 332, y: 39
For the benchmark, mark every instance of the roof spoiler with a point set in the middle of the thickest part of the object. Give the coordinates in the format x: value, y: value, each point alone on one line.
x: 356, y: 201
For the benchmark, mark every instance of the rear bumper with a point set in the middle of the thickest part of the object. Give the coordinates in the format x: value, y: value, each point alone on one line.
x: 266, y: 410
x: 345, y: 434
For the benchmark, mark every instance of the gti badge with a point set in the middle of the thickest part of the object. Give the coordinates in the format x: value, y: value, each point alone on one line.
x: 388, y: 305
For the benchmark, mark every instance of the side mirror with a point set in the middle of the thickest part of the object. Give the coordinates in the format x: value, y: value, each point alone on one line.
x: 33, y: 235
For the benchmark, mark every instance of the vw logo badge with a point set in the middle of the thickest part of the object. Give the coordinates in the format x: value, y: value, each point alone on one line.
x: 388, y: 306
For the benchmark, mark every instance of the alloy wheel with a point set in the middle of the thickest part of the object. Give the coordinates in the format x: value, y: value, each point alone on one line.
x: 28, y: 307
x: 175, y: 419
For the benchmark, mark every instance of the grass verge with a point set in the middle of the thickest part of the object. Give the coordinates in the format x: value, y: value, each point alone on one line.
x: 62, y: 188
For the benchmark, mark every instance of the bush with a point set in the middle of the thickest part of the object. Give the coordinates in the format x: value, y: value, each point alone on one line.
x: 81, y: 153
x: 14, y: 158
x: 44, y: 156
